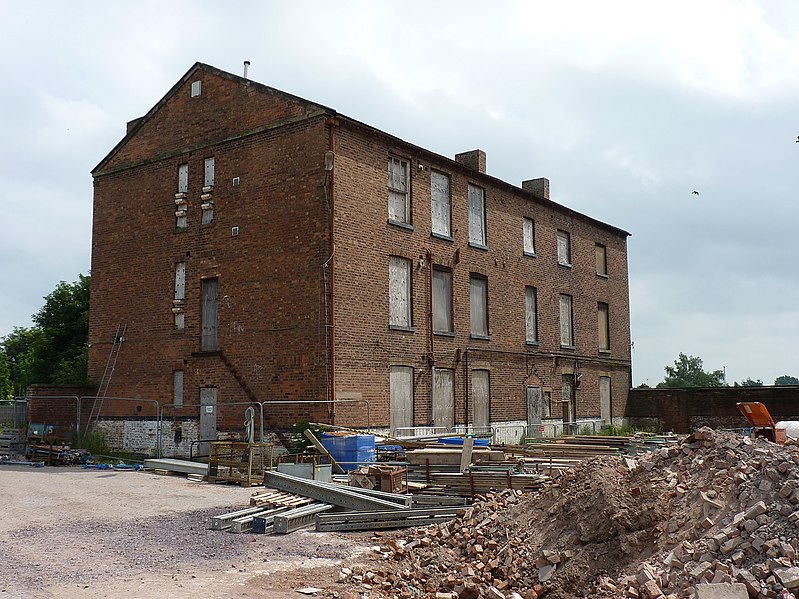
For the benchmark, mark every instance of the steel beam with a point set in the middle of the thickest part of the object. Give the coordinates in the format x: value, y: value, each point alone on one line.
x: 384, y: 520
x: 327, y: 492
x: 296, y: 519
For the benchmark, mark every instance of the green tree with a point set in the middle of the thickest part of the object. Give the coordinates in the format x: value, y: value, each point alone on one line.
x: 688, y: 371
x: 5, y: 377
x: 786, y: 379
x: 55, y: 349
x: 751, y: 383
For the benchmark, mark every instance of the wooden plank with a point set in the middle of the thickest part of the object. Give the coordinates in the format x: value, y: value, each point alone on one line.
x: 466, y: 455
x: 321, y: 448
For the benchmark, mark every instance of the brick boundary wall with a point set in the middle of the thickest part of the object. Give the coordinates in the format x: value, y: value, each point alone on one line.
x: 684, y: 410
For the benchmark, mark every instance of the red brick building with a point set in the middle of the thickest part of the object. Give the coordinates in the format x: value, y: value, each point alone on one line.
x: 261, y: 247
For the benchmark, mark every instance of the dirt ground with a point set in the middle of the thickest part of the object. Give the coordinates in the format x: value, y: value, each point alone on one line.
x: 67, y: 532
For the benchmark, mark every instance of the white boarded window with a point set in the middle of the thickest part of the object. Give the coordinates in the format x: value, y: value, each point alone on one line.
x: 443, y: 398
x: 566, y: 328
x: 399, y: 292
x: 481, y: 397
x: 531, y: 314
x: 177, y: 387
x: 477, y: 216
x: 399, y: 209
x: 183, y: 178
x: 196, y: 88
x: 529, y: 236
x: 442, y: 301
x: 440, y: 211
x: 564, y: 248
x: 210, y: 167
x: 603, y: 326
x: 601, y: 254
x: 401, y: 392
x: 180, y: 295
x: 478, y: 303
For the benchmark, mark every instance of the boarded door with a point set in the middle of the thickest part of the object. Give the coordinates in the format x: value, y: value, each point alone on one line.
x: 534, y: 412
x: 401, y: 391
x: 209, y: 314
x: 443, y: 399
x: 604, y: 399
x: 481, y: 401
x: 567, y: 401
x: 207, y: 417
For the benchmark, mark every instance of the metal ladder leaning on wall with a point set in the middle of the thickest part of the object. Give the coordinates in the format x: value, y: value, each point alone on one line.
x: 105, y: 381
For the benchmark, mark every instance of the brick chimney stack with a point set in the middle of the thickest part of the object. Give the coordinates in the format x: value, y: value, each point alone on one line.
x: 475, y: 160
x: 538, y: 187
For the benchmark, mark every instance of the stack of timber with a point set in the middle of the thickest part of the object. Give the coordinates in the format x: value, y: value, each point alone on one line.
x: 56, y: 455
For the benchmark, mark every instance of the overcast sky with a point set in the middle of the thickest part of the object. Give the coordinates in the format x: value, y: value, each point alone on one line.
x: 626, y: 106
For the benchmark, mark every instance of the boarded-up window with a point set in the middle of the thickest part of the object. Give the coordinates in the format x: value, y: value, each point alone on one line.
x: 529, y: 236
x: 196, y: 88
x: 481, y: 398
x: 177, y: 387
x: 398, y: 191
x: 567, y: 402
x: 443, y: 398
x: 546, y: 405
x: 180, y: 295
x: 208, y: 213
x: 442, y: 301
x: 401, y: 391
x: 564, y: 248
x: 478, y: 301
x: 605, y: 399
x: 603, y: 326
x: 399, y: 292
x: 477, y: 216
x: 183, y: 178
x: 531, y: 314
x: 209, y: 171
x: 440, y: 203
x: 566, y: 328
x: 210, y: 299
x: 601, y: 259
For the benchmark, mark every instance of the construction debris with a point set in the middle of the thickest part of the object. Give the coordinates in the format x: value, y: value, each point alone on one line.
x: 717, y: 509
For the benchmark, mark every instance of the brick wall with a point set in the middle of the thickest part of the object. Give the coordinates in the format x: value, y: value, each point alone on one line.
x: 365, y: 347
x: 683, y: 410
x: 57, y: 404
x: 271, y: 288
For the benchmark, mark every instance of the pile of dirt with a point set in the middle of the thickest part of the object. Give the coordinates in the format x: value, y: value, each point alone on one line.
x: 715, y: 508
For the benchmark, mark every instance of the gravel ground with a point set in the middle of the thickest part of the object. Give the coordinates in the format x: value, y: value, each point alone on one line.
x: 67, y: 532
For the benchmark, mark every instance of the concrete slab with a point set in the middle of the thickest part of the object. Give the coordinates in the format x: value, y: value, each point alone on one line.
x: 731, y: 590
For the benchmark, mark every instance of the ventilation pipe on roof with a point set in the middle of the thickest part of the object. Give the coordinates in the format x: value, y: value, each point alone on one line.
x: 246, y: 67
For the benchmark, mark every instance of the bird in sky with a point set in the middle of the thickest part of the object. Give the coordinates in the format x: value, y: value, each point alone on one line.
x: 696, y: 193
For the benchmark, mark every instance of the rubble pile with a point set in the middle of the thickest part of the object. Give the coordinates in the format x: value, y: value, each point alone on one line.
x: 716, y: 508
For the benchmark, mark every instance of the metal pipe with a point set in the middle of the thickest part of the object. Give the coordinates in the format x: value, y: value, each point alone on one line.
x: 246, y: 67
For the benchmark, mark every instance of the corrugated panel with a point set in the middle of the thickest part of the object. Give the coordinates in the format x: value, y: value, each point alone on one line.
x: 442, y: 301
x: 566, y: 334
x: 530, y: 314
x: 564, y: 248
x: 209, y: 314
x: 401, y: 391
x: 481, y: 397
x: 177, y: 388
x: 443, y: 398
x: 478, y: 300
x: 477, y: 230
x: 210, y: 167
x: 399, y: 291
x: 183, y: 178
x: 440, y: 203
x: 529, y: 236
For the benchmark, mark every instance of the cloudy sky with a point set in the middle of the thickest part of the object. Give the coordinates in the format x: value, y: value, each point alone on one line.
x: 626, y: 106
